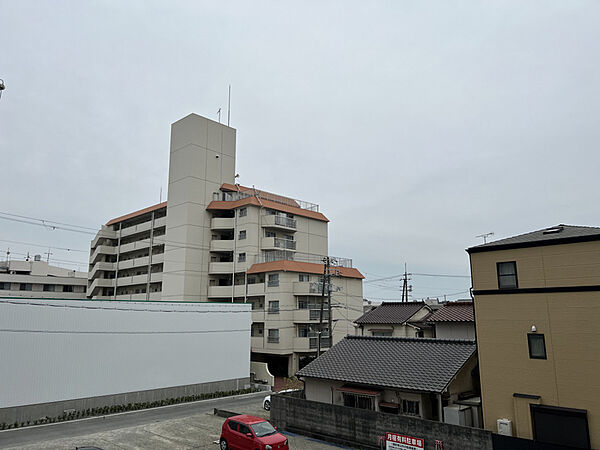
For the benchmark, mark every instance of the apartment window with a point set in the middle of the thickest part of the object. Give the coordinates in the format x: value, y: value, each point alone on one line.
x: 269, y: 234
x: 507, y: 275
x: 273, y: 336
x: 410, y: 407
x: 303, y: 277
x: 243, y: 212
x: 4, y: 286
x: 274, y: 307
x: 25, y: 287
x: 270, y: 212
x: 289, y: 237
x: 537, y: 346
x: 273, y: 280
x: 242, y: 257
x: 49, y: 288
x: 306, y: 330
x: 67, y: 288
x: 242, y: 235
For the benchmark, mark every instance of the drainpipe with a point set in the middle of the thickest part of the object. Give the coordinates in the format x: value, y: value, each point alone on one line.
x: 440, y: 408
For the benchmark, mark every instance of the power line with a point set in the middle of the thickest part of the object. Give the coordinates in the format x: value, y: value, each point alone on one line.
x: 45, y: 246
x: 13, y: 330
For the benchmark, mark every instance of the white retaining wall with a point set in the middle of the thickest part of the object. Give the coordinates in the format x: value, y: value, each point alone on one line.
x: 53, y: 350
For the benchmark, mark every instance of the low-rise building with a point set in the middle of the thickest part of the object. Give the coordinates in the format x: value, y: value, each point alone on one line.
x: 397, y: 319
x: 537, y: 315
x: 412, y: 376
x: 38, y: 279
x: 454, y: 320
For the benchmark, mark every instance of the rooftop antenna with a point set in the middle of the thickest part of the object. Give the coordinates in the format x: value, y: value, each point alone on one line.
x: 48, y: 253
x: 485, y: 236
x: 219, y: 114
x: 229, y: 106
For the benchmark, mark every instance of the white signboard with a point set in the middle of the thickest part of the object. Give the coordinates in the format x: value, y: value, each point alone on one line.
x: 395, y: 441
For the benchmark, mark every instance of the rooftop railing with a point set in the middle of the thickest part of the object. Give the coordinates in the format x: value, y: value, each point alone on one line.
x: 284, y: 255
x: 262, y: 195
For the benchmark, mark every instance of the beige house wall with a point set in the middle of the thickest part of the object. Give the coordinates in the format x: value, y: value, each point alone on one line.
x: 568, y: 320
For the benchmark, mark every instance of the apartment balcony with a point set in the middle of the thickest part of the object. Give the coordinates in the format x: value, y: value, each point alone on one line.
x: 101, y: 251
x: 274, y: 243
x: 101, y: 266
x: 221, y: 245
x: 227, y: 267
x: 225, y: 291
x: 129, y: 281
x: 258, y: 315
x: 222, y: 223
x: 103, y: 233
x: 256, y: 289
x: 137, y: 245
x: 257, y: 343
x: 310, y: 315
x: 100, y: 283
x: 142, y: 227
x: 278, y: 222
x: 308, y: 288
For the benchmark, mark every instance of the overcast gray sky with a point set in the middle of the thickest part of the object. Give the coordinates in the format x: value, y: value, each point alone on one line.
x: 415, y: 125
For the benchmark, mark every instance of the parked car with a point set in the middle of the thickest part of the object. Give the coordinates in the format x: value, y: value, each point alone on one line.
x: 267, y: 403
x: 250, y: 432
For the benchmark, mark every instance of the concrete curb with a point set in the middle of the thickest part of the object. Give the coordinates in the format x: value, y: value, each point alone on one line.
x: 207, y: 401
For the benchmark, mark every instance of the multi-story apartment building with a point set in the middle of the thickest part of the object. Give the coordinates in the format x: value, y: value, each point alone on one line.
x: 38, y: 279
x: 537, y: 317
x: 214, y: 240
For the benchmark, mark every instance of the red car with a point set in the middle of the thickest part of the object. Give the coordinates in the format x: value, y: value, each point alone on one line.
x: 252, y: 433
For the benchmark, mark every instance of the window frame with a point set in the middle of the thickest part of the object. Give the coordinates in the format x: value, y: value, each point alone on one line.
x: 241, y: 257
x: 243, y: 212
x: 529, y: 341
x: 516, y: 285
x: 242, y: 235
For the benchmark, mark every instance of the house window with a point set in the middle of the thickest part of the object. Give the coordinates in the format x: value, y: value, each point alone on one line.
x: 537, y: 346
x: 269, y: 234
x: 243, y: 212
x: 49, y: 288
x: 67, y: 288
x: 273, y: 280
x: 273, y: 336
x: 357, y: 401
x: 507, y: 275
x: 381, y: 333
x: 274, y: 307
x: 303, y: 277
x: 410, y: 407
x: 242, y: 257
x: 242, y: 235
x: 25, y: 287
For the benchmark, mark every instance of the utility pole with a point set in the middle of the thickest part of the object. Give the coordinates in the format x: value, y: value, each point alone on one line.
x: 48, y: 253
x: 325, y: 271
x: 405, y: 287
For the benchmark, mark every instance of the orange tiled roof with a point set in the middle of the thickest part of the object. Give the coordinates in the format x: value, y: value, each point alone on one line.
x: 137, y: 213
x: 302, y: 267
x: 267, y: 204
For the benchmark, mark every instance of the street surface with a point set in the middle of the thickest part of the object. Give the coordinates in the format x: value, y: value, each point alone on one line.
x: 184, y: 426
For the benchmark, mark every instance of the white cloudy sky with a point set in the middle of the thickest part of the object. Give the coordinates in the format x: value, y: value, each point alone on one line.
x: 415, y: 125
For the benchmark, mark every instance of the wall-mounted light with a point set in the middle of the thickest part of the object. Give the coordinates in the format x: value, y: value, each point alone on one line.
x: 533, y: 328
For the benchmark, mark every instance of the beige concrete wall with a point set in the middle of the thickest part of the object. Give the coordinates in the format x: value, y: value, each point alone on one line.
x: 202, y: 158
x: 569, y: 322
x: 551, y: 266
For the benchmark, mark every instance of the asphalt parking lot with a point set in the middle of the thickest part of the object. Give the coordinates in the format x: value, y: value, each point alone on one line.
x: 196, y: 431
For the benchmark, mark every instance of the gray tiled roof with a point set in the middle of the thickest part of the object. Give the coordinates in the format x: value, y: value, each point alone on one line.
x: 562, y: 233
x: 454, y: 312
x: 391, y: 312
x: 419, y: 364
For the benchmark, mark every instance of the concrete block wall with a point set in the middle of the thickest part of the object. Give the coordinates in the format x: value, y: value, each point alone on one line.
x: 362, y: 429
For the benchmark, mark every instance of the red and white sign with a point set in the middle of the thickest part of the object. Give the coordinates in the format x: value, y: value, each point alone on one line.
x: 395, y: 441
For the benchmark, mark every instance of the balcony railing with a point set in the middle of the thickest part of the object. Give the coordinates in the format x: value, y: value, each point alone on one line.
x: 315, y: 314
x: 273, y: 339
x: 232, y: 196
x: 314, y: 342
x: 286, y: 255
x: 287, y: 244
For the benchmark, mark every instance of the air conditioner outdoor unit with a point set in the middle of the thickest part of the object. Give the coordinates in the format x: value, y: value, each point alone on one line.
x: 504, y: 427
